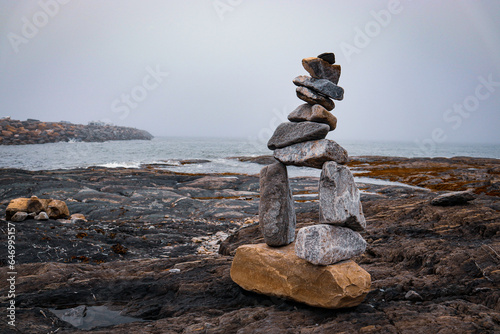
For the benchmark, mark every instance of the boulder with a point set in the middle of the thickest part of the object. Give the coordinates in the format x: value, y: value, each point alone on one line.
x: 16, y: 205
x: 453, y: 198
x: 339, y: 202
x: 30, y: 205
x: 312, y: 153
x: 19, y: 216
x: 57, y: 209
x: 35, y: 205
x: 313, y: 113
x: 328, y: 57
x: 322, y: 86
x: 288, y: 133
x: 327, y: 244
x: 280, y: 273
x: 311, y: 97
x: 276, y: 211
x: 321, y: 69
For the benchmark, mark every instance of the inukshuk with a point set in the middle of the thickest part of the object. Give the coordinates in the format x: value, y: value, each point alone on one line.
x: 315, y: 269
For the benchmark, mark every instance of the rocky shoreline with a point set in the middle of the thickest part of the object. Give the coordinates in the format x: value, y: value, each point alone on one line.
x: 158, y: 247
x: 14, y: 132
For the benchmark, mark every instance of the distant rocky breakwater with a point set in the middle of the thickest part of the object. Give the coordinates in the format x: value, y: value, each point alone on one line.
x: 14, y: 132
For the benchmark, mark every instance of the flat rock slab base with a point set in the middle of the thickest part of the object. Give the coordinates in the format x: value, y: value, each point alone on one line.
x: 280, y: 273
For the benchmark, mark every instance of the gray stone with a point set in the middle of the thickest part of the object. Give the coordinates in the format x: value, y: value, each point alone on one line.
x: 312, y: 153
x: 315, y: 113
x: 327, y: 244
x: 276, y: 211
x: 322, y: 86
x: 42, y: 216
x: 287, y: 134
x: 311, y: 97
x: 453, y: 198
x: 329, y: 57
x: 339, y: 202
x: 321, y: 69
x: 19, y: 216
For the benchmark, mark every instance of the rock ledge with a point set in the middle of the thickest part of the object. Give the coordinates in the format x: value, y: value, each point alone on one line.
x: 13, y: 132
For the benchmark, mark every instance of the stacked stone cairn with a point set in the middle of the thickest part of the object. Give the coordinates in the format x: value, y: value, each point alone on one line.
x: 315, y: 267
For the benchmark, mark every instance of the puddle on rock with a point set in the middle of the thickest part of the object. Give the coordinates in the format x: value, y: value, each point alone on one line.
x: 369, y: 180
x: 90, y: 317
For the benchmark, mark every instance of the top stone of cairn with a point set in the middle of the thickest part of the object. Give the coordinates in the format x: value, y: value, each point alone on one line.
x: 321, y: 69
x: 328, y: 57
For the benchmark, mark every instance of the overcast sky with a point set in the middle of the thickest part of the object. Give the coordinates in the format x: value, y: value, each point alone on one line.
x: 414, y: 71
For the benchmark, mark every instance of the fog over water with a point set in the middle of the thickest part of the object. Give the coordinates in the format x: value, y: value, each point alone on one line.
x: 422, y: 72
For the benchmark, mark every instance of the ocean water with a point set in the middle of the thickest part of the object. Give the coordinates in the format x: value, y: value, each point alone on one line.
x: 167, y: 152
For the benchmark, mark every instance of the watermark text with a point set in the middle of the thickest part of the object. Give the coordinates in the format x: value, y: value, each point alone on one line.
x: 11, y: 274
x: 138, y: 93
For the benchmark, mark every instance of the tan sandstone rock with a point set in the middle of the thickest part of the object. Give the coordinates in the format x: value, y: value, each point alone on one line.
x: 57, y: 209
x: 279, y: 272
x: 321, y: 69
x: 78, y: 216
x: 54, y: 208
x: 35, y: 205
x: 16, y: 205
x: 315, y: 113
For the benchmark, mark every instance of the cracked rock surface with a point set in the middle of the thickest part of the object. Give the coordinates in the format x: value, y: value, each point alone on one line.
x: 433, y: 268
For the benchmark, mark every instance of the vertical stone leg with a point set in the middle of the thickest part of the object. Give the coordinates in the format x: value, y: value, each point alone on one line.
x: 339, y: 202
x: 276, y: 211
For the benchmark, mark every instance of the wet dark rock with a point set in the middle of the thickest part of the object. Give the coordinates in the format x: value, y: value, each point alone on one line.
x: 193, y: 161
x: 261, y: 160
x: 454, y: 198
x: 448, y: 255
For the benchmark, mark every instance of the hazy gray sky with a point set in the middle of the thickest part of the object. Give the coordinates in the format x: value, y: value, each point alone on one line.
x: 426, y: 71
